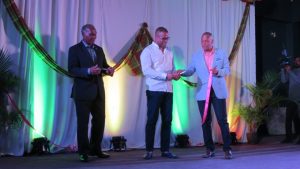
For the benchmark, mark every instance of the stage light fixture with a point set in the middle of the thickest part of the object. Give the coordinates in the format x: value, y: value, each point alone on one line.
x: 182, y: 141
x: 233, y: 138
x: 118, y: 143
x: 40, y: 146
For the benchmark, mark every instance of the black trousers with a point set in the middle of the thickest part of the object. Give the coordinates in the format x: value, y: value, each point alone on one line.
x: 159, y: 102
x: 292, y: 117
x: 220, y: 111
x: 83, y: 109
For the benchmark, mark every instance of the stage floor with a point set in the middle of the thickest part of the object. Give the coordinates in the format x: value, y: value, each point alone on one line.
x: 268, y: 154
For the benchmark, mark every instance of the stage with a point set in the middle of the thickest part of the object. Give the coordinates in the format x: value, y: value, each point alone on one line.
x: 268, y: 154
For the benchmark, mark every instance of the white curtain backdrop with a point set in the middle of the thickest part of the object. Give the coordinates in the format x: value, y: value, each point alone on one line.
x: 56, y: 24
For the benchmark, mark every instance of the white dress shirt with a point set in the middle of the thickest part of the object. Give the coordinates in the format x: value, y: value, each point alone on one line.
x: 155, y: 66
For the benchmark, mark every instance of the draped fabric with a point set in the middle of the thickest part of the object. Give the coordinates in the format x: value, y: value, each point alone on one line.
x: 44, y: 95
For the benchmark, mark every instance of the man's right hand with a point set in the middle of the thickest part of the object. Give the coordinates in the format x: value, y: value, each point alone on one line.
x: 169, y: 76
x: 95, y: 70
x: 287, y: 68
x: 175, y: 75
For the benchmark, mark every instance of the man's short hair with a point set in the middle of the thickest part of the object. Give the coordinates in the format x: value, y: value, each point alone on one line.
x: 87, y: 26
x: 161, y: 29
x: 207, y: 34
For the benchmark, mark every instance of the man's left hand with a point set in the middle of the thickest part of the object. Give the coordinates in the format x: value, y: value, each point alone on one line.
x: 110, y: 71
x: 214, y: 71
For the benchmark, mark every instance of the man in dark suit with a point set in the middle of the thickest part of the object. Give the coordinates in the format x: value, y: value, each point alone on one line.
x: 87, y: 63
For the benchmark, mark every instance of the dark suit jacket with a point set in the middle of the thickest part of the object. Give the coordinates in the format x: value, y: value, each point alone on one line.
x: 86, y: 87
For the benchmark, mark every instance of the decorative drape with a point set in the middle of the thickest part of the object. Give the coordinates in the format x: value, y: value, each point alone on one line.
x: 131, y: 57
x: 21, y: 25
x: 240, y: 34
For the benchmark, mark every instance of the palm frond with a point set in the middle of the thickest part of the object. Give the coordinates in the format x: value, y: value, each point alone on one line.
x: 269, y: 80
x: 8, y: 81
x: 263, y: 99
x: 5, y: 62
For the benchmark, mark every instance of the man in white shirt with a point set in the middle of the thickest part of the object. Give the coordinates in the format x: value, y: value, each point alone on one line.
x: 158, y: 69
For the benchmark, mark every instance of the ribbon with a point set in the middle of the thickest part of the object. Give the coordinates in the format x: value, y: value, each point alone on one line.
x: 207, y: 97
x: 26, y: 121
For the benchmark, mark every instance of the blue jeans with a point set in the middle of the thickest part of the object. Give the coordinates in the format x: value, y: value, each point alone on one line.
x: 159, y: 102
x: 220, y: 111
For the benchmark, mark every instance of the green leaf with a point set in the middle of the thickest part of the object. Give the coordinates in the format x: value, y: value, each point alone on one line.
x: 262, y: 100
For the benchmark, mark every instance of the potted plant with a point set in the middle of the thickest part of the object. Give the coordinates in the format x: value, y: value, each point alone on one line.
x: 263, y: 98
x: 8, y: 83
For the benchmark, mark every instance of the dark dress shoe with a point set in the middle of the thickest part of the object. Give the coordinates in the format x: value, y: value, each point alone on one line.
x: 99, y: 154
x: 228, y: 155
x: 83, y: 157
x: 168, y: 155
x: 103, y: 155
x: 208, y: 154
x: 148, y: 155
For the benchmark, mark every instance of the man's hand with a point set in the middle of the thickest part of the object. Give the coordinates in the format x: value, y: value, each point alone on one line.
x: 110, y: 71
x: 287, y: 68
x: 214, y: 71
x: 175, y: 75
x: 95, y: 70
x: 169, y: 76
